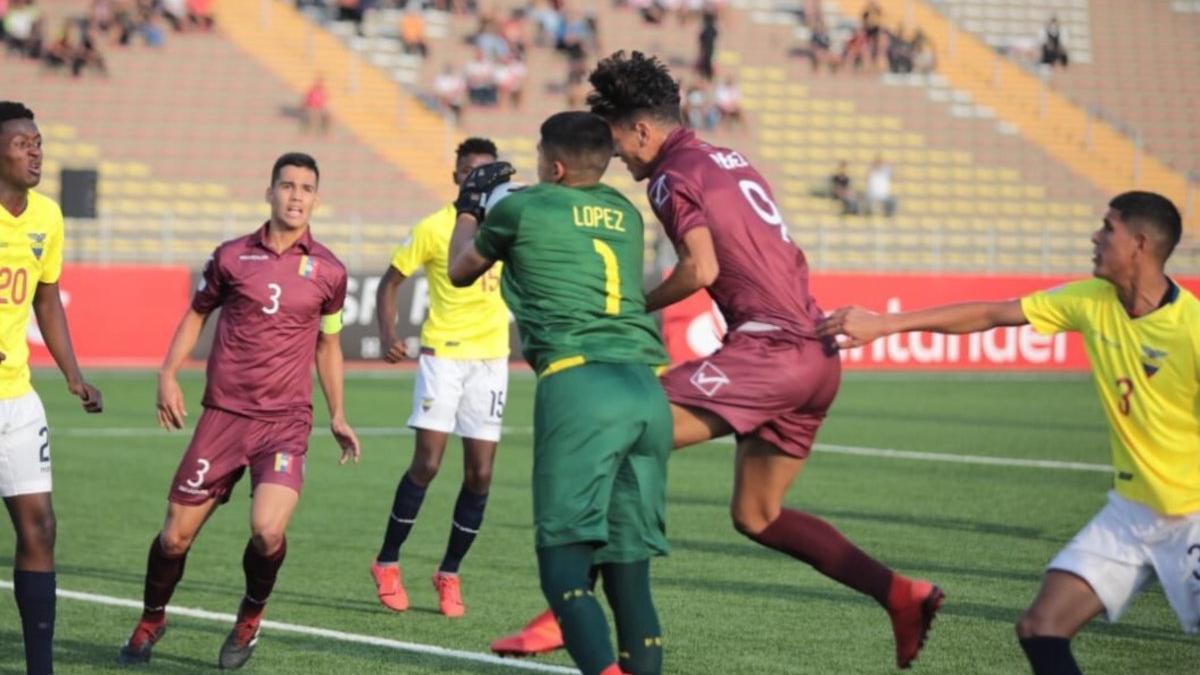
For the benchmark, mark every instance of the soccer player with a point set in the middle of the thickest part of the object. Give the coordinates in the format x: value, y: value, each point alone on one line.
x: 1140, y: 329
x: 280, y: 294
x: 572, y: 252
x: 460, y: 388
x: 31, y: 245
x: 773, y: 380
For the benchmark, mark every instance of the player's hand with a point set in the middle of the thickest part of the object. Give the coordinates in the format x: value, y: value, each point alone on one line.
x: 89, y: 395
x: 397, y: 352
x: 346, y: 439
x: 478, y: 184
x: 859, y: 326
x: 170, y: 403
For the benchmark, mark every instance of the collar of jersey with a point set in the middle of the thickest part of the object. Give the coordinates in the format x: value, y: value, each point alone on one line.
x: 259, y: 239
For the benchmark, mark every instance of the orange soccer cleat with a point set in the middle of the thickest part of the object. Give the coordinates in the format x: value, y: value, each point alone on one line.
x: 389, y: 584
x: 912, y: 606
x: 537, y: 637
x: 449, y: 590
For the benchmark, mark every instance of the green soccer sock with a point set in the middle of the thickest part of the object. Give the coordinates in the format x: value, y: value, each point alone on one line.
x: 565, y: 583
x: 639, y: 635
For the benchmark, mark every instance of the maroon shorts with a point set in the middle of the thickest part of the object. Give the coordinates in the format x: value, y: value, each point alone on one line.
x: 225, y: 444
x: 766, y: 385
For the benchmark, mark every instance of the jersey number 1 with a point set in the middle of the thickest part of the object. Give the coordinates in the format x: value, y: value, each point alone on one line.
x: 612, y: 277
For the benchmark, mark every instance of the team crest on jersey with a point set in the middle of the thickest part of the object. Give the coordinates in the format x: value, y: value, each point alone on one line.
x: 709, y: 379
x: 284, y: 463
x: 308, y: 267
x: 1152, y: 360
x: 37, y: 241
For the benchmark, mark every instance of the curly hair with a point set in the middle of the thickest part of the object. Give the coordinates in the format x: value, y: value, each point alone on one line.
x: 628, y: 86
x: 476, y: 146
x: 11, y: 110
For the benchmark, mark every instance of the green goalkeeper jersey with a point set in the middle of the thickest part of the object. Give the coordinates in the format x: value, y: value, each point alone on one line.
x: 573, y: 275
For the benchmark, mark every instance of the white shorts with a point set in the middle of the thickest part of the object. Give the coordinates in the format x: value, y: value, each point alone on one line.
x: 24, y: 446
x: 460, y: 396
x: 1125, y: 546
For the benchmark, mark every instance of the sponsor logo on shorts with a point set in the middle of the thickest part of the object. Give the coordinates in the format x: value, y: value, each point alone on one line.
x: 191, y: 490
x: 709, y: 378
x: 284, y: 462
x: 426, y: 404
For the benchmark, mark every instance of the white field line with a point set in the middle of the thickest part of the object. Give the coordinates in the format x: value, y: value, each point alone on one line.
x: 884, y: 453
x: 414, y: 647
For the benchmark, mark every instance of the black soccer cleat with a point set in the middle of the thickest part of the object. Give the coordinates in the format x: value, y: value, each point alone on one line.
x: 239, y: 645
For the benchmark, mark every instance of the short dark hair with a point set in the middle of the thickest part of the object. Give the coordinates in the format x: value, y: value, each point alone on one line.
x: 475, y: 146
x: 11, y: 110
x: 624, y: 87
x: 294, y: 159
x: 580, y: 140
x: 1153, y: 214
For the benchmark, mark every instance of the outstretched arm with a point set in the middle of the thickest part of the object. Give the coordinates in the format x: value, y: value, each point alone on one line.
x: 697, y: 268
x: 330, y: 372
x: 861, y: 326
x: 466, y: 262
x: 171, y: 410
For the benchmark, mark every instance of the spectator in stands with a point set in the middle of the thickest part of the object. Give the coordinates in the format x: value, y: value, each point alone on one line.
x: 924, y: 57
x: 728, y: 99
x: 412, y: 31
x: 512, y: 30
x: 176, y: 14
x: 698, y: 111
x: 200, y: 14
x: 1054, y: 44
x: 900, y: 51
x: 708, y: 45
x: 488, y: 39
x: 75, y: 47
x: 879, y: 188
x: 819, y: 50
x: 23, y: 29
x: 352, y: 11
x: 450, y: 88
x: 510, y: 77
x: 652, y: 11
x: 315, y: 107
x: 481, y: 80
x: 839, y: 189
x: 548, y: 19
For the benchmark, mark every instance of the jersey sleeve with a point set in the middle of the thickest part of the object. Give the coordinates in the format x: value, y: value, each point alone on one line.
x: 682, y: 207
x: 52, y: 257
x: 499, y: 229
x: 1060, y: 309
x: 331, y: 309
x: 213, y: 286
x: 414, y: 251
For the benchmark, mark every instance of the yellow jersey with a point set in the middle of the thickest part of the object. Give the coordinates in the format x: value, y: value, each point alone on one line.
x: 1147, y: 371
x: 463, y: 323
x: 31, y: 250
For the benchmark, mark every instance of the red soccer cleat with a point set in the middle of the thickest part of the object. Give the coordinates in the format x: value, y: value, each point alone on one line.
x: 537, y: 637
x: 136, y: 649
x: 449, y: 592
x: 912, y: 606
x: 390, y: 586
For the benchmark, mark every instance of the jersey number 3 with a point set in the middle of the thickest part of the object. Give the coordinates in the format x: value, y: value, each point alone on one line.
x: 1125, y: 389
x: 276, y: 291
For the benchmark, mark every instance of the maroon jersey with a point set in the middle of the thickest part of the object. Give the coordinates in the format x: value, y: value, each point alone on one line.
x: 763, y: 276
x: 271, y: 308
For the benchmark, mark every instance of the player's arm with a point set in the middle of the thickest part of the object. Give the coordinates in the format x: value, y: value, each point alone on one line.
x: 171, y: 410
x: 330, y: 371
x: 861, y: 326
x: 466, y: 262
x: 385, y: 314
x: 52, y: 320
x: 697, y: 268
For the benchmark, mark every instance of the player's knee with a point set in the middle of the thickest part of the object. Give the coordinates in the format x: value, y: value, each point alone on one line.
x: 424, y: 469
x: 751, y: 519
x: 174, y: 542
x: 478, y: 479
x: 1036, y: 623
x: 267, y: 540
x: 38, y: 534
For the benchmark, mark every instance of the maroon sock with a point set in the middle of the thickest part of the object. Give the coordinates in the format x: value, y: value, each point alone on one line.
x: 816, y: 542
x: 163, y: 573
x: 261, y: 572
